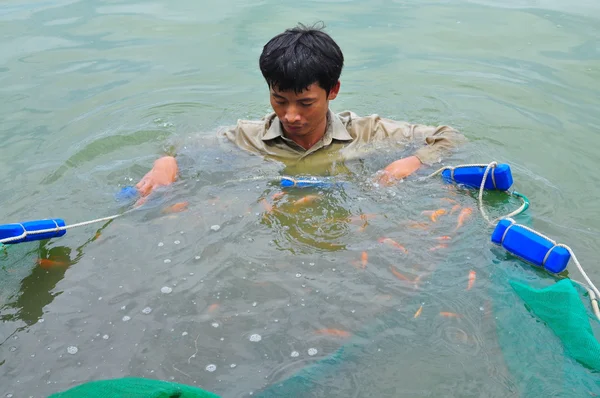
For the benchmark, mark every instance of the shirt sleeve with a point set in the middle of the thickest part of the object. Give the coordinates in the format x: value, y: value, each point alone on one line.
x: 433, y: 142
x: 438, y: 142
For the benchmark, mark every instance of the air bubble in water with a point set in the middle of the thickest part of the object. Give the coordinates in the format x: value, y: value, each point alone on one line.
x: 255, y: 338
x: 312, y: 351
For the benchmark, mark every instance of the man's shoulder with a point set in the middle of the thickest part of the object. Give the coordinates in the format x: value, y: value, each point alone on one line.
x: 256, y: 124
x: 349, y: 116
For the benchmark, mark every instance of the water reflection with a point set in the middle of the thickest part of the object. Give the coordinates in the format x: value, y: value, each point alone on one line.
x: 308, y: 220
x: 37, y: 289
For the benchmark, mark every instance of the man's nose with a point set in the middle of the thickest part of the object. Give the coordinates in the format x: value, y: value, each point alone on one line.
x: 292, y: 115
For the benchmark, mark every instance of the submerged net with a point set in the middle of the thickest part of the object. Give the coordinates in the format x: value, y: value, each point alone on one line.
x: 547, y: 340
x: 132, y: 387
x: 561, y: 309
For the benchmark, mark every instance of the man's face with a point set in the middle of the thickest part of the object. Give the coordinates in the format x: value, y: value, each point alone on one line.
x: 304, y: 114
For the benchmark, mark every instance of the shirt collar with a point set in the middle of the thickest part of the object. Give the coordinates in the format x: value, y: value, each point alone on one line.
x: 335, y: 129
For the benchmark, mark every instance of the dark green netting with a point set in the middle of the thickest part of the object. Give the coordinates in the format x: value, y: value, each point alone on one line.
x: 133, y: 387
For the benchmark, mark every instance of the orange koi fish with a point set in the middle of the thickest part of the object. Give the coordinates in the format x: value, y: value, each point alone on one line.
x: 438, y: 247
x: 47, y: 263
x: 454, y: 209
x: 364, y: 259
x: 268, y: 207
x: 307, y: 200
x: 176, y: 208
x: 451, y: 201
x: 398, y: 275
x: 443, y: 238
x: 450, y: 314
x: 472, y: 275
x: 360, y: 219
x: 333, y: 332
x: 393, y: 243
x: 433, y: 215
x: 213, y: 307
x: 418, y: 313
x: 418, y: 225
x: 463, y: 216
x: 277, y: 195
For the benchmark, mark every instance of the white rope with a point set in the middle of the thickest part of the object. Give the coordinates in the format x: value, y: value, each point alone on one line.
x: 593, y: 298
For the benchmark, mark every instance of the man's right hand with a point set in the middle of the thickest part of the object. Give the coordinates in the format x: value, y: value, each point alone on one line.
x: 164, y: 172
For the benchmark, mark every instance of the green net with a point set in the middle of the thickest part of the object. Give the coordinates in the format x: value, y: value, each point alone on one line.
x: 132, y: 387
x: 544, y: 329
x: 560, y: 307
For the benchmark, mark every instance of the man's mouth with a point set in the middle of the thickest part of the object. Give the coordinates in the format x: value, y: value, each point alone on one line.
x: 292, y: 127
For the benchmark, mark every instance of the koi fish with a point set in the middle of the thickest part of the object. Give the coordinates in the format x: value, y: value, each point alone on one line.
x: 176, y: 208
x: 443, y: 238
x: 451, y: 201
x: 433, y: 215
x: 418, y: 313
x: 454, y: 209
x: 364, y: 259
x: 268, y: 207
x: 307, y: 200
x: 463, y: 216
x: 450, y: 314
x: 472, y: 276
x: 393, y: 243
x: 398, y: 275
x: 213, y: 307
x: 333, y: 332
x: 438, y: 247
x: 360, y: 219
x: 418, y: 225
x: 277, y: 196
x: 47, y: 263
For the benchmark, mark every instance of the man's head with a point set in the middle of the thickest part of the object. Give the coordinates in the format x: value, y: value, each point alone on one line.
x: 302, y: 67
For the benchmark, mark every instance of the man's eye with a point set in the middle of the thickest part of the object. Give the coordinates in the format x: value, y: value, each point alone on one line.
x: 306, y: 105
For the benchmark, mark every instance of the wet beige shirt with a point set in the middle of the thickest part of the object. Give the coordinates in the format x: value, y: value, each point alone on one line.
x: 348, y: 136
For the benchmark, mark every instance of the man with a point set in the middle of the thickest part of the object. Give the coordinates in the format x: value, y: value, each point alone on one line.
x: 302, y: 67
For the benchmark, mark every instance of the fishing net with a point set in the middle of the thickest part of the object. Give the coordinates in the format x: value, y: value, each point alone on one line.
x: 547, y: 340
x: 132, y: 387
x: 560, y: 307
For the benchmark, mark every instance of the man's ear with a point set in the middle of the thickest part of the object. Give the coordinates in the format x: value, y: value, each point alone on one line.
x: 334, y: 91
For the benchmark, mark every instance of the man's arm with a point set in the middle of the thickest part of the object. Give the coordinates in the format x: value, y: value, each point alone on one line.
x: 438, y: 141
x: 399, y: 169
x: 165, y: 169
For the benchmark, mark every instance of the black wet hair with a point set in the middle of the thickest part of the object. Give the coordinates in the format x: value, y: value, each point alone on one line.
x: 301, y: 56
